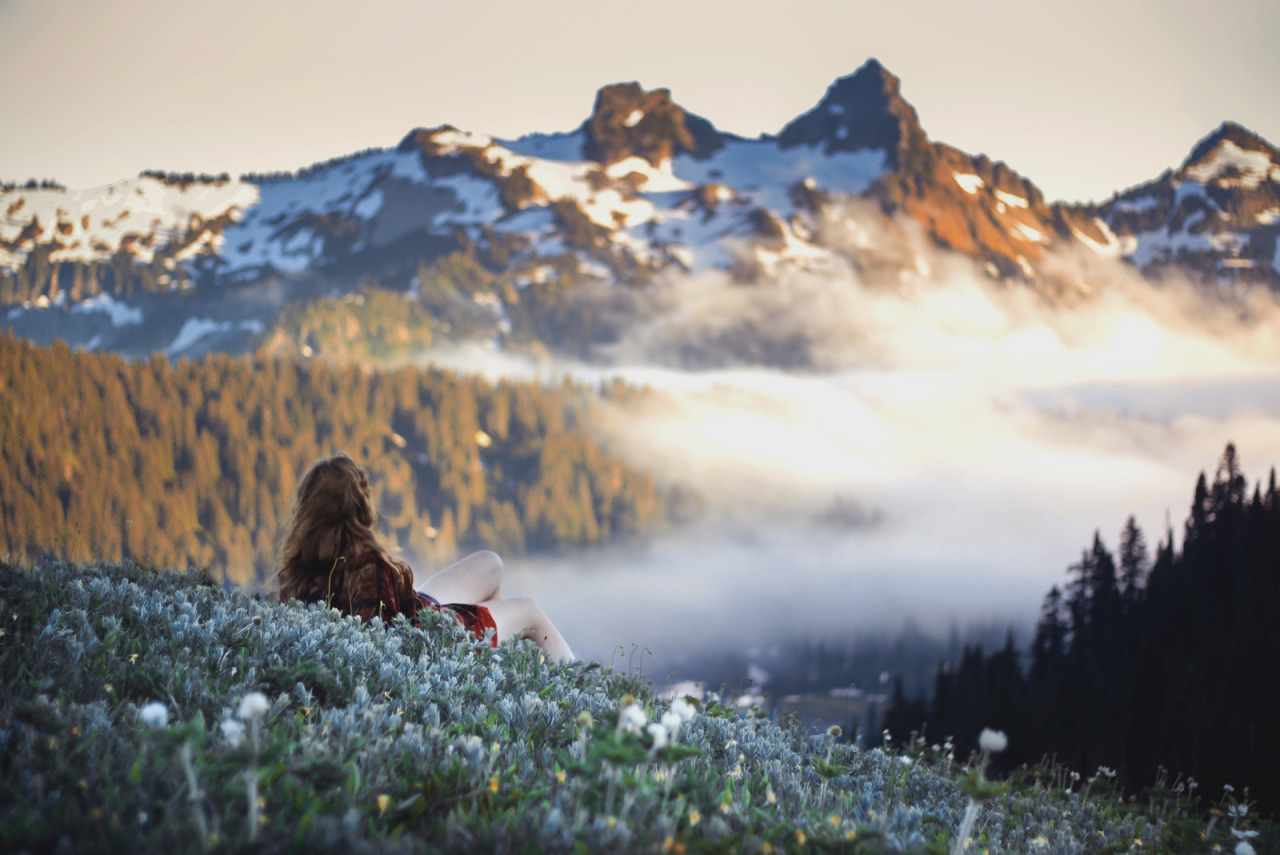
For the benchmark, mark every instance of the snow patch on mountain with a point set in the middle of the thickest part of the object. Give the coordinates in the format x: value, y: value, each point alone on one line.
x: 93, y: 224
x: 1241, y: 167
x: 195, y: 329
x: 1112, y: 247
x: 763, y: 172
x: 1009, y: 198
x: 969, y: 182
x: 120, y: 313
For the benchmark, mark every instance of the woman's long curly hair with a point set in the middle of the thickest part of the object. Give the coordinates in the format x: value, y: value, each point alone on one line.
x: 332, y: 521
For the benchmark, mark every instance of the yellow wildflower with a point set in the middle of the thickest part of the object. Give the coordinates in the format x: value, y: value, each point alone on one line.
x: 694, y: 816
x: 384, y: 802
x: 801, y: 840
x: 834, y: 819
x: 560, y: 776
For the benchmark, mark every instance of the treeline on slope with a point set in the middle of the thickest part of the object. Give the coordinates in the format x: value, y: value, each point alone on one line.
x: 1139, y: 663
x: 195, y: 463
x: 481, y: 291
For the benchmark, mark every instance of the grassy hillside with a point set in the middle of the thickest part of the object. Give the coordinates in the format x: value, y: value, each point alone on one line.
x: 129, y: 723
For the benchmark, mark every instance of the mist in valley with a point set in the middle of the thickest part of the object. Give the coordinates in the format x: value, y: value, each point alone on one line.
x: 939, y: 448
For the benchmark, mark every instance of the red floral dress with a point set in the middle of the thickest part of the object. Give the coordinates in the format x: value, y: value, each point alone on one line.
x: 375, y: 586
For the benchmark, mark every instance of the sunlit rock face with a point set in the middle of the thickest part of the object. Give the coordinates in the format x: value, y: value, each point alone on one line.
x: 629, y: 122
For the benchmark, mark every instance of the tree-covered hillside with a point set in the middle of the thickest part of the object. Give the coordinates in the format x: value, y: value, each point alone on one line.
x: 196, y: 463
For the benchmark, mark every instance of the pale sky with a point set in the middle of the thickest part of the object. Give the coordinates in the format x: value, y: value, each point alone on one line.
x: 1084, y: 98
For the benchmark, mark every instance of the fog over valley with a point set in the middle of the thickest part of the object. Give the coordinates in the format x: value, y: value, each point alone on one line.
x: 950, y: 446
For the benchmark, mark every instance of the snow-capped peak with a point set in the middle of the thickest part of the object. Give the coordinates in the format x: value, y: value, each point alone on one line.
x: 1232, y: 156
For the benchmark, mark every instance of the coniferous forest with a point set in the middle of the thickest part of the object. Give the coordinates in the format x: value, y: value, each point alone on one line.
x: 194, y: 463
x: 1143, y: 661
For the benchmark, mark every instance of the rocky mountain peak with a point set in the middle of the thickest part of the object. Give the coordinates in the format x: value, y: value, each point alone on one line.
x: 860, y: 111
x: 1232, y: 155
x: 630, y: 122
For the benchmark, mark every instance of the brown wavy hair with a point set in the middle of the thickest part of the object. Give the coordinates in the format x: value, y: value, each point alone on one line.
x: 332, y: 522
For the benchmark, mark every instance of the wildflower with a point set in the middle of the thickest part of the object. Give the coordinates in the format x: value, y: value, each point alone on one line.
x: 766, y: 848
x: 684, y: 709
x: 75, y: 731
x: 254, y: 705
x: 659, y: 734
x: 834, y: 731
x: 384, y: 802
x: 851, y: 835
x: 107, y: 687
x: 84, y: 783
x: 668, y: 844
x: 736, y: 772
x: 631, y: 718
x: 1243, y: 848
x: 992, y: 740
x: 769, y: 794
x: 694, y: 816
x: 560, y: 776
x: 154, y: 714
x: 612, y: 821
x: 493, y: 784
x: 133, y: 657
x: 672, y: 723
x: 232, y: 731
x: 834, y: 819
x: 801, y: 840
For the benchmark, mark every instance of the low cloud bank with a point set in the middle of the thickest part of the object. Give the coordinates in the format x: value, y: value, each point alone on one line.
x: 940, y: 447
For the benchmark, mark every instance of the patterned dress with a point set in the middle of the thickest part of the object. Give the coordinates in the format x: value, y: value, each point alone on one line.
x: 375, y: 586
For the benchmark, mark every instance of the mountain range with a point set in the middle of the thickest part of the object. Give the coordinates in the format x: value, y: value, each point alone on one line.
x: 495, y: 237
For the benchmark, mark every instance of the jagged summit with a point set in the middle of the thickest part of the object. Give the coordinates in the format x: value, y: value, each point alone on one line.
x: 860, y: 111
x: 630, y: 122
x: 1232, y: 154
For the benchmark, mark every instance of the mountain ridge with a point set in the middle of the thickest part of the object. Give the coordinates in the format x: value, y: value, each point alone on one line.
x: 642, y: 186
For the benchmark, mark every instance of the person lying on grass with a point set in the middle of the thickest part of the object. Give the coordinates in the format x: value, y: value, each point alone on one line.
x: 330, y: 554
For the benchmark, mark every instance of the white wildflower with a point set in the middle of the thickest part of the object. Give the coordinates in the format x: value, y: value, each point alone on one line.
x: 992, y: 740
x: 632, y: 718
x: 1243, y: 848
x: 684, y: 709
x: 154, y: 714
x: 659, y: 734
x: 672, y: 723
x: 232, y: 731
x: 254, y: 705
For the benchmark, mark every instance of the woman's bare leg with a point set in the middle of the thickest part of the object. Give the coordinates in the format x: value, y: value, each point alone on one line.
x: 474, y: 579
x: 521, y: 617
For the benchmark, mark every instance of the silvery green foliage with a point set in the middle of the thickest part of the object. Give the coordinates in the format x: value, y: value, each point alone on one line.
x: 403, y: 739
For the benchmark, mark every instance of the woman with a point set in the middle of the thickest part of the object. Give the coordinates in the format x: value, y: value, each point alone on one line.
x: 329, y: 553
